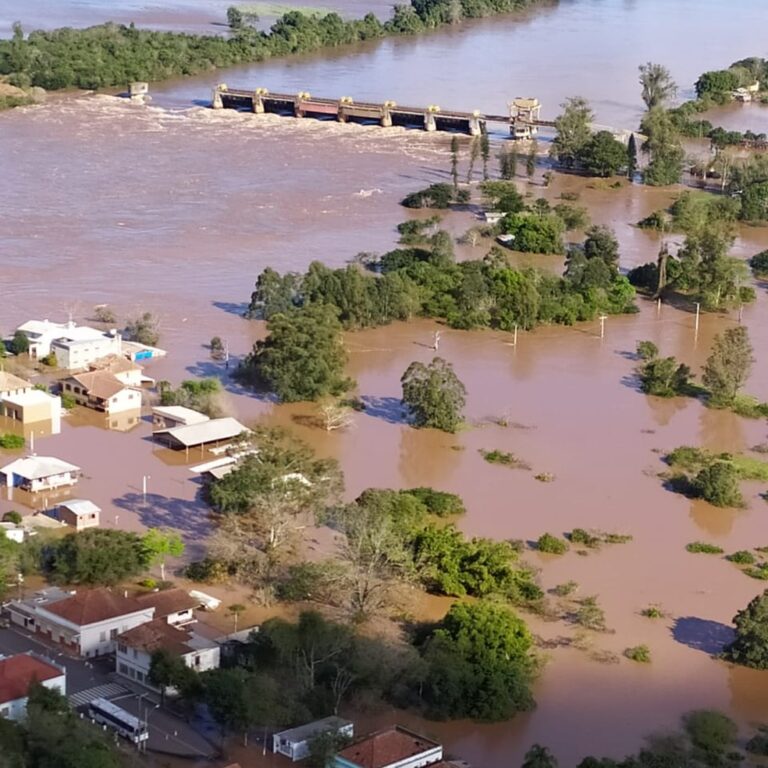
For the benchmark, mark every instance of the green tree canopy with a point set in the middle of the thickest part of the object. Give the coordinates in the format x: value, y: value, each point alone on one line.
x: 303, y: 357
x: 750, y: 647
x: 658, y: 85
x: 728, y: 365
x: 603, y: 155
x: 434, y: 395
x: 162, y: 543
x: 574, y: 131
x: 479, y: 664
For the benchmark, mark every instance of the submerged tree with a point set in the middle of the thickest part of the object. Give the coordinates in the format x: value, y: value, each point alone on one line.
x: 658, y: 85
x: 750, y: 647
x: 455, y: 162
x: 631, y: 157
x: 573, y: 131
x: 728, y: 366
x: 434, y: 395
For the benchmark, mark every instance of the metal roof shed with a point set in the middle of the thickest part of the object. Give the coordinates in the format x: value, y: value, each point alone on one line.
x: 295, y: 742
x: 192, y: 435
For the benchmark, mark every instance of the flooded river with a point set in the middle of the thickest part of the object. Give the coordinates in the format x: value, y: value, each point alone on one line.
x: 174, y: 209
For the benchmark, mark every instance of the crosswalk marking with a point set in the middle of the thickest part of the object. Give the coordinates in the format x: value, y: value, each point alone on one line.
x: 106, y: 691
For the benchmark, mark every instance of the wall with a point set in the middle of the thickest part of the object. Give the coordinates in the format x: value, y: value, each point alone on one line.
x: 134, y: 663
x: 74, y: 355
x: 17, y: 709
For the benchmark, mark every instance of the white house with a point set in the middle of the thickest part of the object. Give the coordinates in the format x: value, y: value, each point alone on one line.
x: 87, y: 621
x: 174, y: 606
x: 136, y: 647
x: 294, y: 743
x: 17, y: 673
x: 395, y: 747
x: 39, y: 473
x: 102, y: 391
x: 75, y: 346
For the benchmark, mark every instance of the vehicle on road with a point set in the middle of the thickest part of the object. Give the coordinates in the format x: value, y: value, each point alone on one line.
x: 127, y: 725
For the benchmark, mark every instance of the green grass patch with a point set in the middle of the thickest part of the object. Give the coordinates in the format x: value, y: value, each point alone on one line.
x: 566, y: 589
x: 702, y: 547
x: 693, y: 460
x: 758, y: 572
x: 749, y: 407
x: 653, y: 612
x: 11, y: 442
x: 505, y: 459
x: 551, y: 544
x: 639, y: 653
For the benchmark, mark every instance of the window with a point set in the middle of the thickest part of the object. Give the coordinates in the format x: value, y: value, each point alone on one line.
x: 103, y: 636
x: 112, y: 634
x: 5, y: 711
x: 122, y: 648
x: 197, y: 661
x: 123, y: 669
x: 135, y: 654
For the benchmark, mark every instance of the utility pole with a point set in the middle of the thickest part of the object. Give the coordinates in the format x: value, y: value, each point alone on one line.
x: 603, y: 318
x: 698, y: 317
x: 144, y: 485
x: 514, y: 338
x: 226, y: 354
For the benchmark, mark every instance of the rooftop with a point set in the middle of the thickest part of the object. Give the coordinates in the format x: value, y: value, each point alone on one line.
x: 101, y: 384
x: 114, y: 364
x: 210, y: 431
x: 30, y: 397
x: 168, y: 601
x: 70, y: 330
x: 180, y: 413
x: 383, y: 748
x: 304, y: 732
x: 38, y: 467
x: 90, y: 606
x: 80, y: 507
x: 9, y: 381
x: 159, y: 635
x: 18, y: 672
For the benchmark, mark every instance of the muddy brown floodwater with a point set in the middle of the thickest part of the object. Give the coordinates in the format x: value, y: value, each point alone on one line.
x: 176, y: 212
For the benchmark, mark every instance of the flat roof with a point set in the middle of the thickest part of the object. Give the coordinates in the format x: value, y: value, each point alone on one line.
x: 18, y: 672
x: 304, y: 732
x: 80, y: 506
x: 209, y: 431
x: 38, y: 467
x: 57, y: 331
x: 181, y: 413
x: 30, y: 397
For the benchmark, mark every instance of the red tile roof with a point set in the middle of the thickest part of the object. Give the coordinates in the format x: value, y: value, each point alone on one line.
x: 89, y: 606
x: 17, y: 673
x: 168, y: 601
x: 386, y: 747
x: 157, y: 635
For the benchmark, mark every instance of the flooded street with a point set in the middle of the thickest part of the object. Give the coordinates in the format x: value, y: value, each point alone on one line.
x: 174, y: 209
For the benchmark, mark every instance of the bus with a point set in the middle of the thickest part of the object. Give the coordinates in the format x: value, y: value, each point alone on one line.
x: 127, y: 725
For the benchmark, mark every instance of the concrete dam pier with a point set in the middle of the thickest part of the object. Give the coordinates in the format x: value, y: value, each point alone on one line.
x: 523, y: 118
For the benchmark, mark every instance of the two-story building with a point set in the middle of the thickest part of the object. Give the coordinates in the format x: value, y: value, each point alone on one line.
x: 102, y: 391
x: 86, y: 622
x: 75, y: 346
x: 136, y: 647
x: 21, y: 402
x: 18, y: 673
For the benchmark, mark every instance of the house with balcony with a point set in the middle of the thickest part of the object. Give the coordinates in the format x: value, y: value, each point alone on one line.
x: 39, y: 473
x: 102, y: 391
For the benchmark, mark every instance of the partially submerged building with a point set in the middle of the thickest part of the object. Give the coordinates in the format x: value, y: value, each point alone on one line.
x: 102, y: 391
x: 75, y: 346
x: 18, y: 673
x: 165, y: 417
x: 213, y: 432
x: 21, y: 402
x: 76, y: 513
x: 295, y: 742
x: 39, y: 473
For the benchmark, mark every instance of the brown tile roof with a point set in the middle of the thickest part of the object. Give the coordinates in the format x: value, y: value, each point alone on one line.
x: 386, y: 747
x: 89, y: 606
x: 156, y: 635
x: 9, y: 381
x: 18, y: 672
x: 114, y: 364
x: 168, y: 601
x: 101, y: 384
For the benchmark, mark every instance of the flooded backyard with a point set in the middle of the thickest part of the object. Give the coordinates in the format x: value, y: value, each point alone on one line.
x: 174, y: 209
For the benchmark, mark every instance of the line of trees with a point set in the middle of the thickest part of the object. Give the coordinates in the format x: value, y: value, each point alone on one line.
x: 114, y: 55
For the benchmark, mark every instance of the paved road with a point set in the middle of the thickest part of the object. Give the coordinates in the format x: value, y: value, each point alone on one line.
x: 87, y: 680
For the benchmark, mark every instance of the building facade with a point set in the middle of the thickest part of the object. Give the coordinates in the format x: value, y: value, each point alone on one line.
x: 102, y: 391
x: 17, y: 673
x: 39, y: 473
